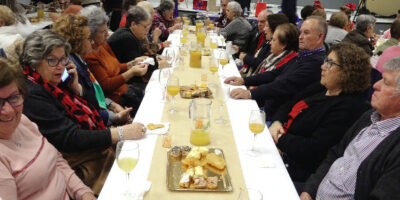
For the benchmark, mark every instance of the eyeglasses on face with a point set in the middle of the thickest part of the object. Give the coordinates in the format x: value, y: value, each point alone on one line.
x: 14, y: 100
x: 329, y: 63
x: 53, y: 62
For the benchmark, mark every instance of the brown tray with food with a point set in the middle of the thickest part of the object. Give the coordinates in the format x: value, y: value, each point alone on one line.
x: 194, y: 91
x: 197, y: 169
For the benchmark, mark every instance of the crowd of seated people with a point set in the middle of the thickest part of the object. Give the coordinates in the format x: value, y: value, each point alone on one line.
x: 314, y: 95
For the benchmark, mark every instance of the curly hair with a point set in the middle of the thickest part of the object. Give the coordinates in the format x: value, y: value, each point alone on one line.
x: 355, y: 67
x: 71, y: 28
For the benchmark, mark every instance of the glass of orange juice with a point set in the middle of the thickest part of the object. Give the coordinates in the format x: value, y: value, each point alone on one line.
x: 256, y: 126
x: 213, y: 67
x: 213, y: 43
x: 199, y: 25
x: 201, y: 36
x: 173, y: 90
x: 223, y: 60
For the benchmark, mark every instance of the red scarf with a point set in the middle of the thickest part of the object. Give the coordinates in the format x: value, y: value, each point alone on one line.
x: 83, y: 113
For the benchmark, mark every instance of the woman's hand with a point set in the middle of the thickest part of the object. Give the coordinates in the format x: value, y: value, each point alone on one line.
x: 240, y: 93
x: 276, y: 129
x: 234, y: 80
x: 137, y: 60
x: 242, y: 55
x: 133, y: 131
x: 139, y: 70
x: 88, y: 196
x: 156, y: 34
x: 74, y: 83
x: 124, y: 115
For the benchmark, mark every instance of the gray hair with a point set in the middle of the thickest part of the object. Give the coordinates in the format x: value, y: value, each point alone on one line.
x: 365, y: 21
x: 235, y: 8
x: 165, y: 6
x: 136, y: 14
x: 96, y: 17
x: 394, y: 65
x: 39, y: 44
x: 322, y: 26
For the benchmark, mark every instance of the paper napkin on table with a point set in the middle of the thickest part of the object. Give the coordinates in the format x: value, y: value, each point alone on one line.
x: 158, y: 131
x: 140, y: 190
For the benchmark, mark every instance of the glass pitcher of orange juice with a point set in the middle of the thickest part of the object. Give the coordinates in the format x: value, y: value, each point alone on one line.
x: 200, y: 115
x: 195, y: 55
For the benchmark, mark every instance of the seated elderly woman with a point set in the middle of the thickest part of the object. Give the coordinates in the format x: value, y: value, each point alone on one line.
x: 164, y: 19
x: 284, y: 47
x: 111, y: 74
x: 69, y: 122
x: 68, y: 26
x: 30, y: 167
x: 253, y: 60
x: 238, y: 30
x: 317, y: 118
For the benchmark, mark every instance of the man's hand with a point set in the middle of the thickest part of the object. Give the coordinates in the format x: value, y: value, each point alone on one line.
x: 234, y: 80
x: 305, y: 196
x: 242, y: 55
x: 240, y: 93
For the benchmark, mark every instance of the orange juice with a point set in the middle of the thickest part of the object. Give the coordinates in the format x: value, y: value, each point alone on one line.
x: 195, y: 59
x: 172, y: 90
x: 199, y: 137
x: 183, y: 40
x: 201, y: 36
x: 199, y: 26
x: 187, y: 21
x: 213, y: 69
x: 223, y: 61
x: 211, y: 25
x: 256, y: 127
x: 185, y: 32
x: 213, y: 45
x: 40, y: 13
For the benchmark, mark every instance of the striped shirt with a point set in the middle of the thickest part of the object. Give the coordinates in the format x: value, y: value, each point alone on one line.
x: 340, y: 182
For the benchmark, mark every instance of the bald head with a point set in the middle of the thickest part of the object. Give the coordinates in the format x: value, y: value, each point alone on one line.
x: 262, y: 18
x: 312, y: 33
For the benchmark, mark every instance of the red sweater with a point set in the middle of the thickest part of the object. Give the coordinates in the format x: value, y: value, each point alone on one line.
x: 107, y: 70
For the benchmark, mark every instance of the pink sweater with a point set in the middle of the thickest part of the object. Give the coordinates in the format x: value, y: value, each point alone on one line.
x: 31, y: 168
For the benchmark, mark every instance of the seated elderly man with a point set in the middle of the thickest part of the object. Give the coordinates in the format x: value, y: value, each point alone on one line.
x: 238, y: 30
x: 394, y: 40
x: 278, y: 86
x: 336, y: 31
x: 365, y: 25
x: 223, y: 20
x: 366, y: 163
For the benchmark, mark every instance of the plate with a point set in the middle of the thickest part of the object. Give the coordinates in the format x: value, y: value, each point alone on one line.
x: 193, y: 91
x: 175, y: 170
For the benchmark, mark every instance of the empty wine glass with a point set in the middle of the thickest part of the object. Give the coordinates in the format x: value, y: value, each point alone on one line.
x: 163, y: 76
x: 173, y: 90
x: 127, y: 158
x: 222, y: 96
x: 170, y: 55
x: 256, y: 125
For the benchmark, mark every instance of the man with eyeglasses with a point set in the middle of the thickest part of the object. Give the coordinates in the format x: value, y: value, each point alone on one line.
x: 278, y: 86
x: 366, y: 163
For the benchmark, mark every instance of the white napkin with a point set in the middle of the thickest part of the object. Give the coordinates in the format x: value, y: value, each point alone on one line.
x: 266, y: 161
x: 148, y: 60
x: 159, y: 131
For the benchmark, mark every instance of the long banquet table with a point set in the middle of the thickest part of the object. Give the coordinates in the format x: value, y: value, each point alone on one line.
x: 265, y: 173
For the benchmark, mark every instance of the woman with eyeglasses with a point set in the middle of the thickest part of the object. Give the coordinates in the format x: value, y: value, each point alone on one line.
x: 305, y: 128
x: 69, y: 122
x: 30, y: 167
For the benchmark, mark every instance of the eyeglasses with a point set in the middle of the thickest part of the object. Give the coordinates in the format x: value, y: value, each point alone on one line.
x: 146, y: 26
x: 54, y: 62
x: 103, y: 32
x: 329, y: 63
x: 14, y: 100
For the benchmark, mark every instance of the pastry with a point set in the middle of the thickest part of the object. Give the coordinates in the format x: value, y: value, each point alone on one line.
x: 152, y: 126
x: 185, y: 150
x: 215, y: 163
x: 175, y: 154
x: 199, y: 183
x: 212, y: 182
x: 184, y: 181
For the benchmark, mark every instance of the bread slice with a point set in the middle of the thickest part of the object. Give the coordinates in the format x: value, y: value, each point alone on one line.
x: 215, y: 163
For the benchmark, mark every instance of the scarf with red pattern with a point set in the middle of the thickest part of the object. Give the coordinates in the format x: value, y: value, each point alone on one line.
x: 84, y: 114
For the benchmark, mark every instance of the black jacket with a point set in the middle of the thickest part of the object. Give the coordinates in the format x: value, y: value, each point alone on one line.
x: 125, y: 45
x: 316, y: 129
x: 252, y: 61
x: 357, y: 37
x: 278, y: 86
x: 57, y: 126
x: 378, y: 176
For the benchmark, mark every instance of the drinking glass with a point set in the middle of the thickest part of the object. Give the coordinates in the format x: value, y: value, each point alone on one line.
x: 222, y: 96
x: 170, y: 55
x: 127, y: 158
x: 256, y: 125
x: 253, y: 194
x: 173, y: 90
x: 163, y: 76
x: 223, y: 60
x: 213, y: 67
x: 213, y: 43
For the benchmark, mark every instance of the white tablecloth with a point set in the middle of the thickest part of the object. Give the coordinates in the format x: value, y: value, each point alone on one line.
x: 267, y: 173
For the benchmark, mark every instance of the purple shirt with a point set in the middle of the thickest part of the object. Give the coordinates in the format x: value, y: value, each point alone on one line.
x: 340, y: 181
